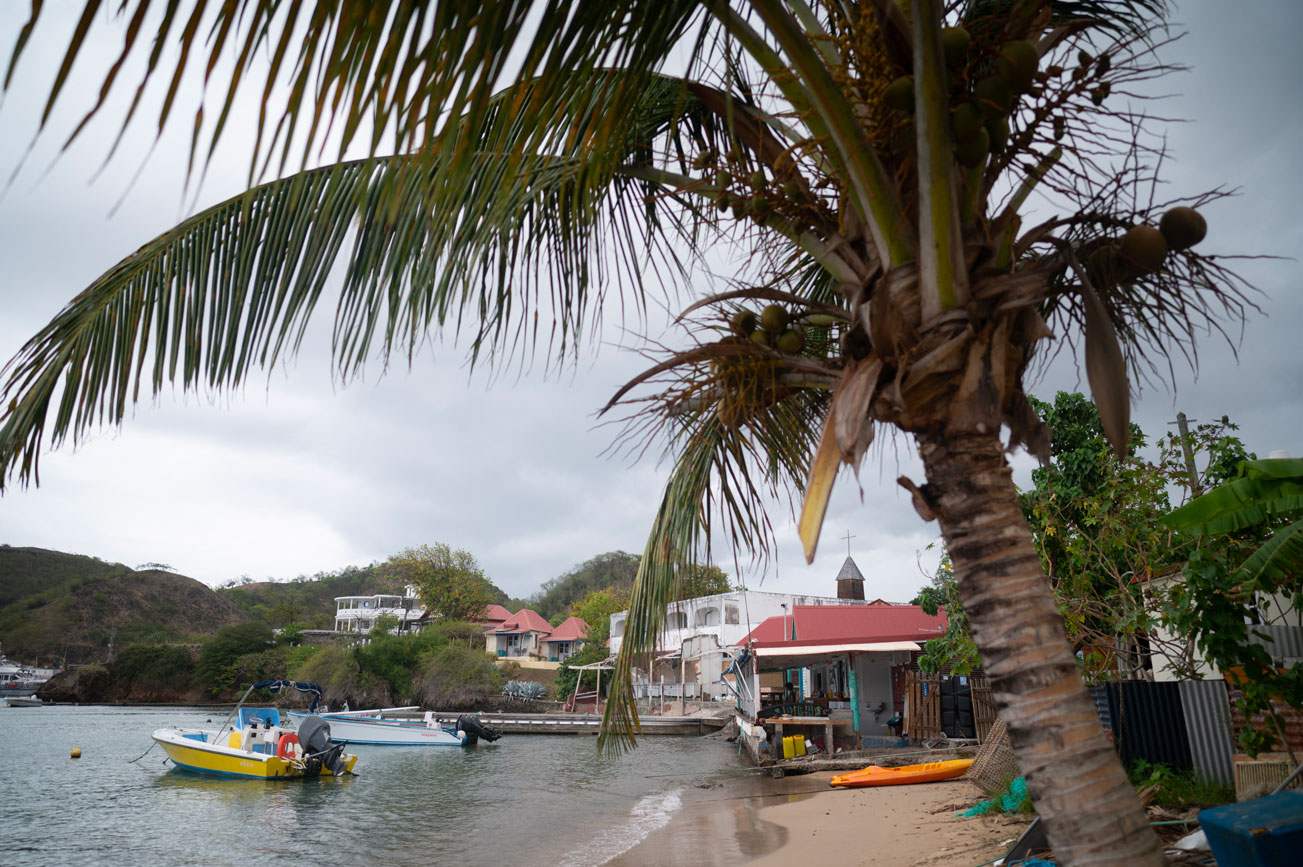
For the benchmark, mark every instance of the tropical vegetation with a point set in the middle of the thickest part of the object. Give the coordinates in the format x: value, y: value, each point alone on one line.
x: 865, y: 167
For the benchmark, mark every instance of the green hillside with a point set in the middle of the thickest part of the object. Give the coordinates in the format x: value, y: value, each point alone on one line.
x: 75, y: 618
x: 27, y: 571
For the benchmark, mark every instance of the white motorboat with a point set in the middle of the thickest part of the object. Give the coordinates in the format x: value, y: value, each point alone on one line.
x: 252, y: 743
x: 374, y: 728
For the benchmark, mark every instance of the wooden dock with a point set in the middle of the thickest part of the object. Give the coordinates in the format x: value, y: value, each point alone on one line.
x: 587, y: 723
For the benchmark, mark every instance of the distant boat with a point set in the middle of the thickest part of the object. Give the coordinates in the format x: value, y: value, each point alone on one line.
x: 18, y: 680
x: 24, y: 701
x: 925, y: 773
x: 257, y: 746
x: 373, y: 728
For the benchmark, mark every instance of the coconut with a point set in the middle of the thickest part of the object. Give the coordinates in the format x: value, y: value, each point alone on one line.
x: 791, y: 341
x: 761, y: 337
x: 1102, y: 266
x: 758, y: 180
x: 955, y: 42
x: 994, y: 96
x: 1144, y: 247
x: 966, y: 122
x: 972, y: 154
x: 774, y: 318
x: 998, y: 129
x: 724, y: 180
x: 821, y: 320
x: 1183, y: 228
x: 1017, y: 64
x: 743, y: 322
x: 900, y: 94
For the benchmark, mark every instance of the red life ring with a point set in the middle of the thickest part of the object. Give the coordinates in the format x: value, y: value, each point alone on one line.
x: 285, y: 747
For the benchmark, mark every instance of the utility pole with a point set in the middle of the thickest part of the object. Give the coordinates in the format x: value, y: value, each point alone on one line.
x: 1195, y: 488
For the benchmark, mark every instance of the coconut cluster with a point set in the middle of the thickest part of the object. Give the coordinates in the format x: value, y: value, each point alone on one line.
x: 984, y: 92
x: 757, y: 194
x: 1143, y: 249
x: 772, y: 327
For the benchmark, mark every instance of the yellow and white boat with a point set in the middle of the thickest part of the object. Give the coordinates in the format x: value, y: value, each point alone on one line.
x: 253, y: 743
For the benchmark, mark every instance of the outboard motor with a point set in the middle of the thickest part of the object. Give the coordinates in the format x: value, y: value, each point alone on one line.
x: 318, y: 751
x: 474, y: 729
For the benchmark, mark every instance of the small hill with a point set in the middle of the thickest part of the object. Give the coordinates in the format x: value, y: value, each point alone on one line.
x: 27, y: 571
x: 76, y: 614
x: 613, y: 569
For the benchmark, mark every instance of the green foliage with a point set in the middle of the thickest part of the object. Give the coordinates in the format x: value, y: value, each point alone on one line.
x: 454, y: 676
x: 36, y: 572
x: 701, y: 580
x: 1167, y: 787
x: 955, y: 647
x: 567, y: 675
x: 596, y: 609
x: 217, y: 670
x: 558, y: 596
x: 159, y: 666
x: 449, y: 581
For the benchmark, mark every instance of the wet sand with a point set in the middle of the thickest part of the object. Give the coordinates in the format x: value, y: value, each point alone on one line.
x: 768, y: 822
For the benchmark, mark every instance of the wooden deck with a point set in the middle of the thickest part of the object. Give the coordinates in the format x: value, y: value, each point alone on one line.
x: 587, y: 724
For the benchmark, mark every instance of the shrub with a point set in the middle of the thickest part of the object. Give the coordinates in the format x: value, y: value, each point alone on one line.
x: 455, y: 677
x: 1172, y: 788
x: 164, y: 666
x: 218, y: 656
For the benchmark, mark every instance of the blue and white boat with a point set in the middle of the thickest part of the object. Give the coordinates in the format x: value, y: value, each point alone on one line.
x: 372, y: 727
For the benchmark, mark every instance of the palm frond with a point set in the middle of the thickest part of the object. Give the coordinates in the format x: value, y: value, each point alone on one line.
x: 1279, y: 560
x: 397, y: 78
x: 1239, y: 504
x: 232, y: 288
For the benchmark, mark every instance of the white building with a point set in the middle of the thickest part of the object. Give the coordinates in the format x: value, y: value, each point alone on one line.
x: 359, y: 613
x: 695, y: 646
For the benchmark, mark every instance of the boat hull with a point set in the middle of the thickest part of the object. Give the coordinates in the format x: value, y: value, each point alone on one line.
x: 190, y: 751
x: 926, y: 773
x: 370, y: 731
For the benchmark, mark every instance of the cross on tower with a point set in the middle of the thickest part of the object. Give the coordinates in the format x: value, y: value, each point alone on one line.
x: 848, y: 538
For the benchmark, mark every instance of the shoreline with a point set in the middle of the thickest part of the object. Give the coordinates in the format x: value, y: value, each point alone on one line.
x: 775, y: 823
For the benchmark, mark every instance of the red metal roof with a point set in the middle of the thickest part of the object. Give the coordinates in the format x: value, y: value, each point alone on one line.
x: 526, y: 620
x: 495, y: 613
x: 822, y: 624
x: 573, y: 629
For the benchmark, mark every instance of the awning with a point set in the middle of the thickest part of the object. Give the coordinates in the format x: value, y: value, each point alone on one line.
x: 790, y: 656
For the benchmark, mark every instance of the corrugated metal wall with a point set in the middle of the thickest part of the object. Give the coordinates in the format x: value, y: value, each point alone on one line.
x: 1208, y: 728
x: 1185, y: 724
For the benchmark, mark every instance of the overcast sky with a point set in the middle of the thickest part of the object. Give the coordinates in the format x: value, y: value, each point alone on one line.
x: 295, y: 475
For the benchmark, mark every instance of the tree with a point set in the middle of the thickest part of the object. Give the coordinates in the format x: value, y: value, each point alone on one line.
x: 871, y: 165
x: 1247, y: 569
x: 702, y: 580
x: 449, y: 582
x: 596, y: 609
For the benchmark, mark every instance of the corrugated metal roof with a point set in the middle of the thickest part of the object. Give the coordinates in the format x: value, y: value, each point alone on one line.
x: 850, y: 623
x: 788, y: 649
x: 572, y: 629
x: 526, y: 620
x: 495, y: 613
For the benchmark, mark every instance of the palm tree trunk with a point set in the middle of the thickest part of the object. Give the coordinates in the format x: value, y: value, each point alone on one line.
x: 1090, y: 811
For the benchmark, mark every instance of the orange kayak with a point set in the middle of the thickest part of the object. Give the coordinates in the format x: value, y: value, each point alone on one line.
x: 928, y: 773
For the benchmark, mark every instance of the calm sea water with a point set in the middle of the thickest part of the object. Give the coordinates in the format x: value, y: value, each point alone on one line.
x: 541, y: 799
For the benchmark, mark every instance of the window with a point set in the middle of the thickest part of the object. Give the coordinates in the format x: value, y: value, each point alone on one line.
x: 708, y: 617
x: 617, y: 628
x: 677, y: 620
x: 730, y: 614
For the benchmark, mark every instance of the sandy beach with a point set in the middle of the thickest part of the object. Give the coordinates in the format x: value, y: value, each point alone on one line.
x: 762, y: 821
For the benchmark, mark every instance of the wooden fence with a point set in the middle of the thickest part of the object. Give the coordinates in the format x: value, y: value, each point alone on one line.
x: 925, y: 718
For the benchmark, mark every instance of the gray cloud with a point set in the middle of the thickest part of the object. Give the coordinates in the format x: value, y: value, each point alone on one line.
x: 296, y: 475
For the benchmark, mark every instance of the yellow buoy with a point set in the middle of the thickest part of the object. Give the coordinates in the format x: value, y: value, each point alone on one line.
x: 76, y: 752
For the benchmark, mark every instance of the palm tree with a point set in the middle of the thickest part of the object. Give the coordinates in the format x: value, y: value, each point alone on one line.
x: 872, y: 161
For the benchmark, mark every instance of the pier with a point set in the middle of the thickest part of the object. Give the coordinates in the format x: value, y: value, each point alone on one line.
x: 585, y: 723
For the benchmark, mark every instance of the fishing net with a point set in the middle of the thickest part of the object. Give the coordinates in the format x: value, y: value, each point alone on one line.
x: 995, y: 764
